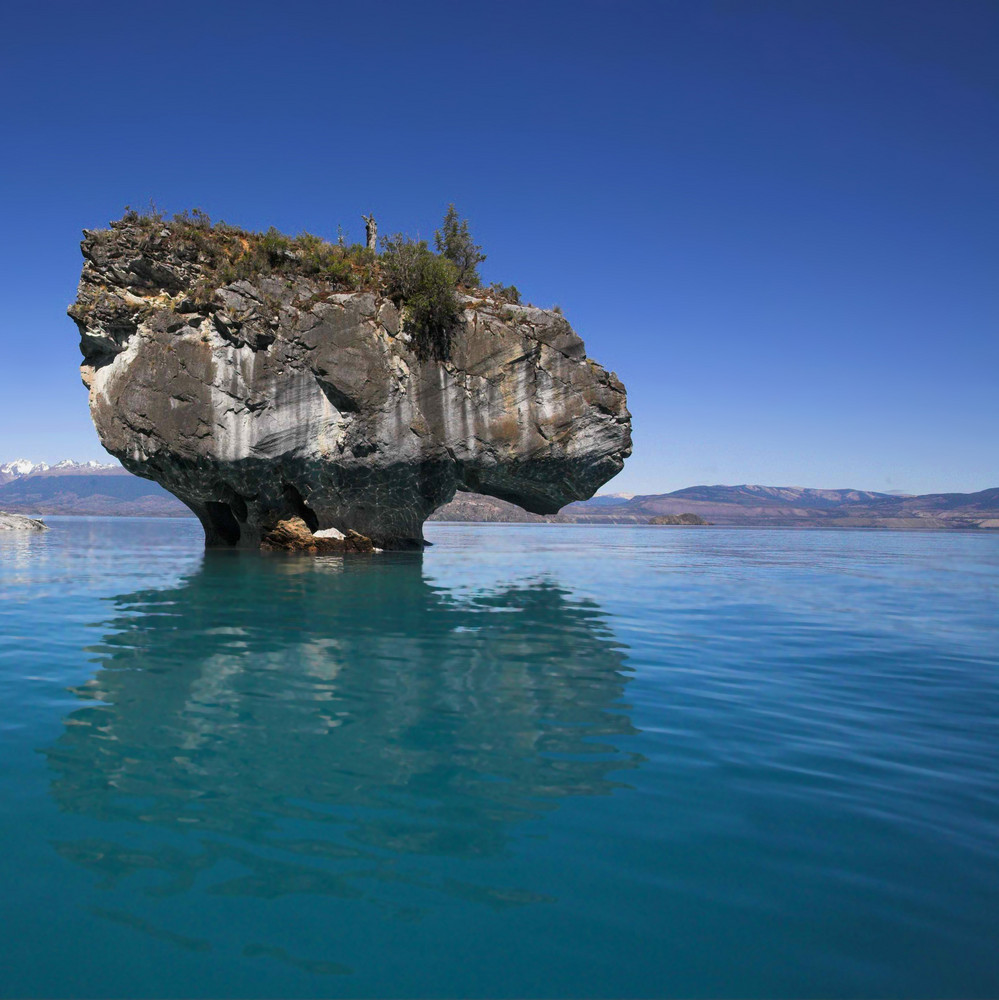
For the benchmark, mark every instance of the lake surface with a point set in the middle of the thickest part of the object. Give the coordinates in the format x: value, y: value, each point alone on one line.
x: 536, y: 761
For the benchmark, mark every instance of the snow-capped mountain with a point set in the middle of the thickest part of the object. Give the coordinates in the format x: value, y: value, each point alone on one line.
x: 77, y: 468
x: 21, y: 468
x: 17, y: 469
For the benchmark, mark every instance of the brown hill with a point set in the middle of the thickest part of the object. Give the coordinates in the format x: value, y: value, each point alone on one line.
x: 116, y: 492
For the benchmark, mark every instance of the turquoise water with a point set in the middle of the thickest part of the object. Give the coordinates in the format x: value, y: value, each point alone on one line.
x: 535, y: 761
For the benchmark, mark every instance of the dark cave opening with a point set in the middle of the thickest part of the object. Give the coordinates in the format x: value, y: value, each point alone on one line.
x: 300, y: 507
x: 223, y: 522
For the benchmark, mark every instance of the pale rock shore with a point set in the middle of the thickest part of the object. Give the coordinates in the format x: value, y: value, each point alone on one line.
x: 18, y: 522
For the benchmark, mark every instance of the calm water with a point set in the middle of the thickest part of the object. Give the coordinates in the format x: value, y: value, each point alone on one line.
x: 536, y: 761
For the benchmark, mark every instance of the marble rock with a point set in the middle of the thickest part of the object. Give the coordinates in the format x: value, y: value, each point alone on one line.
x: 278, y: 397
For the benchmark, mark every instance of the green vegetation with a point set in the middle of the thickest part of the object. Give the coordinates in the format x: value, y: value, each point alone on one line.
x: 424, y: 284
x: 508, y: 293
x: 454, y: 241
x: 227, y: 253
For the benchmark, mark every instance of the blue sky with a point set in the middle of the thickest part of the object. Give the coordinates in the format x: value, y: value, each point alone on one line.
x: 777, y: 221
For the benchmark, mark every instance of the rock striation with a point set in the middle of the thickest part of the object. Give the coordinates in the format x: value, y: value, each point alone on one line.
x: 257, y: 398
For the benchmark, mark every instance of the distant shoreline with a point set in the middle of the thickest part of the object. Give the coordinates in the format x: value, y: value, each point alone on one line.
x: 81, y: 491
x: 579, y: 524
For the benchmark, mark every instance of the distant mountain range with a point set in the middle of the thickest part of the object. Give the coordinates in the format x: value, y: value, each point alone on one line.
x: 93, y: 488
x: 70, y: 487
x: 21, y: 467
x: 757, y: 506
x: 763, y: 506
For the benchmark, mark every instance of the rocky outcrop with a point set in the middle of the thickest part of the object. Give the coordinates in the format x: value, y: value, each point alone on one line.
x: 18, y: 522
x: 258, y: 397
x: 294, y: 535
x: 690, y: 520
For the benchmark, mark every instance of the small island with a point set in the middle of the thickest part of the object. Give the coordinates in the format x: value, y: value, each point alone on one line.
x: 263, y: 378
x: 685, y: 520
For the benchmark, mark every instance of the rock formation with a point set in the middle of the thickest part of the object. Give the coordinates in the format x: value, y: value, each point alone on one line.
x: 18, y: 522
x: 294, y: 535
x: 256, y: 394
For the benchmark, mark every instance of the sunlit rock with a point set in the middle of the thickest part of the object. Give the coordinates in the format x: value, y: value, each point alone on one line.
x: 257, y: 399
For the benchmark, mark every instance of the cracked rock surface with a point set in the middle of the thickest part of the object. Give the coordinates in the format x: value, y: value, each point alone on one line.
x: 276, y: 397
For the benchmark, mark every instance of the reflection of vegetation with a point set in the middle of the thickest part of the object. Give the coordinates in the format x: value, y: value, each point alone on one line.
x: 137, y: 923
x: 322, y: 726
x: 306, y: 965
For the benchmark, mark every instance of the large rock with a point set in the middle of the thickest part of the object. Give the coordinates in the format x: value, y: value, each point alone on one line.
x: 18, y: 522
x: 269, y: 397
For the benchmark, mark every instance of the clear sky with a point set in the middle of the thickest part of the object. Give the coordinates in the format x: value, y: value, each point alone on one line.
x: 777, y: 221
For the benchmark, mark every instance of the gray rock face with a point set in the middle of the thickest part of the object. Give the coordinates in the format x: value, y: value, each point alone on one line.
x: 275, y: 397
x: 18, y: 522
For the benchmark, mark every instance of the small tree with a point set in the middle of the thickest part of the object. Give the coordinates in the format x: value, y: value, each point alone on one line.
x: 509, y: 292
x: 403, y: 260
x: 454, y: 241
x: 423, y: 284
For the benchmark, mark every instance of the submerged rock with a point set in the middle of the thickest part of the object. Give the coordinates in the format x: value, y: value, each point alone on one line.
x: 18, y: 522
x: 256, y: 397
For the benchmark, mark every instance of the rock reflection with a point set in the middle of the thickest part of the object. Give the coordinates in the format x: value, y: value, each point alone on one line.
x: 332, y: 727
x: 18, y: 549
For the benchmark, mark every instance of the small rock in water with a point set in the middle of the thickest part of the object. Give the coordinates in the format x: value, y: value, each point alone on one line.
x: 18, y: 522
x: 294, y: 535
